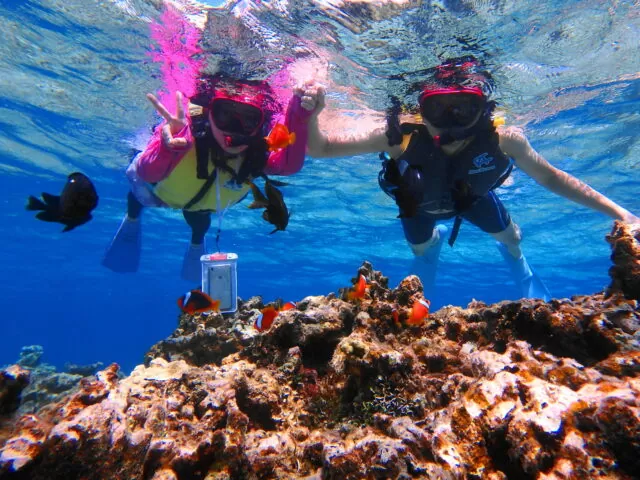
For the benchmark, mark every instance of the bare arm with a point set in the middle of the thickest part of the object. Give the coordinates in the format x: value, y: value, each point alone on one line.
x: 515, y: 144
x: 319, y: 145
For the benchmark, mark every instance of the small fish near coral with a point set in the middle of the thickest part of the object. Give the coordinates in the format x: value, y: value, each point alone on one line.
x: 266, y: 318
x: 196, y: 301
x: 418, y: 313
x: 269, y: 314
x: 276, y: 211
x: 359, y: 289
x: 288, y: 306
x: 72, y: 208
x: 279, y: 138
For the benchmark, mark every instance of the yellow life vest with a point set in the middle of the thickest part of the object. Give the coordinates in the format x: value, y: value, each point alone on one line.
x: 182, y: 185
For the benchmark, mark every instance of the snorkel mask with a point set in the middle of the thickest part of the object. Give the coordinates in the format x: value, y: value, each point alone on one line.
x: 457, y: 111
x: 452, y: 107
x: 456, y: 100
x: 239, y: 108
x: 240, y: 122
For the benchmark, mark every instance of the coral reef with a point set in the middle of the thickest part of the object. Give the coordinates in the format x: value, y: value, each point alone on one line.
x: 38, y: 384
x: 625, y: 272
x: 31, y: 356
x: 345, y: 389
x: 13, y: 380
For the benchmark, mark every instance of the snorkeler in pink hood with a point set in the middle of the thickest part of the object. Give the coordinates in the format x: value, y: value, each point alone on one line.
x: 203, y: 160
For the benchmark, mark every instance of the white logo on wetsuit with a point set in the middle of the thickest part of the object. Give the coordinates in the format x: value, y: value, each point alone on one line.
x: 482, y: 163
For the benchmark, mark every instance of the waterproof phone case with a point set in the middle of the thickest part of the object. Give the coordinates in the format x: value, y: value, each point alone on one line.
x: 220, y: 279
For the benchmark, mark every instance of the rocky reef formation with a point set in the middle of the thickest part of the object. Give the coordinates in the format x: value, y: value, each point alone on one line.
x: 346, y: 389
x: 31, y: 384
x: 625, y: 255
x: 38, y: 383
x: 12, y: 381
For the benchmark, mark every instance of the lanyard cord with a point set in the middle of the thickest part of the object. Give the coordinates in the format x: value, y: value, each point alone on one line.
x: 219, y: 212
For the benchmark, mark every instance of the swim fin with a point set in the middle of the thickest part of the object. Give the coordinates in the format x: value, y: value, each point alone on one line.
x: 525, y: 278
x: 425, y: 266
x: 191, y: 265
x: 123, y: 254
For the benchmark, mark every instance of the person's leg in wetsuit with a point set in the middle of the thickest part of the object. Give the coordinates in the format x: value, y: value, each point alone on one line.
x: 134, y: 207
x: 490, y: 215
x: 426, y: 240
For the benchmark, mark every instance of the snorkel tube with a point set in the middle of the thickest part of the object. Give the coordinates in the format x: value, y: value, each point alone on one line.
x: 394, y: 130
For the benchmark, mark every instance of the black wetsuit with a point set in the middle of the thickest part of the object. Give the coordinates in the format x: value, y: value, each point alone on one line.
x: 458, y: 185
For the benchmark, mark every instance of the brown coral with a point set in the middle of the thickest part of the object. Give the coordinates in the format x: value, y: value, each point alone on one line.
x: 338, y: 389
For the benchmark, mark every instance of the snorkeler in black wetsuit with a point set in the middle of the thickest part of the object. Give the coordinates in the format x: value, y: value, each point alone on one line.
x: 448, y: 166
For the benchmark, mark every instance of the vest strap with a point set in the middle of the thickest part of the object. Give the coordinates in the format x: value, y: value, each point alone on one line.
x: 203, y: 190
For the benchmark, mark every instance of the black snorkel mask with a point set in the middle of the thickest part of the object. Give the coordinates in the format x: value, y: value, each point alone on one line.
x: 459, y: 111
x: 240, y: 123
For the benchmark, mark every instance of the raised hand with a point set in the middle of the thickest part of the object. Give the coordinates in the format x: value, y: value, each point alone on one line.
x: 174, y: 123
x: 311, y: 96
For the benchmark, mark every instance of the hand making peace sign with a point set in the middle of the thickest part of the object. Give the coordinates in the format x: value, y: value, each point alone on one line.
x: 174, y: 124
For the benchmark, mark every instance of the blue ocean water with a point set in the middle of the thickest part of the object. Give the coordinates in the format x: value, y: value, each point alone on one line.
x: 72, y: 81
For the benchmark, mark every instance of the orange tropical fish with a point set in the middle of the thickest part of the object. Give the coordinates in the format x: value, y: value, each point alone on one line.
x: 288, y: 306
x: 358, y: 290
x: 266, y: 318
x: 197, y: 301
x: 269, y: 314
x: 419, y: 311
x: 417, y: 314
x: 279, y: 137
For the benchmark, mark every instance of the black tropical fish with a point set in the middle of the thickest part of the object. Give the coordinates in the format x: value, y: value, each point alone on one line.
x: 72, y: 208
x: 276, y: 212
